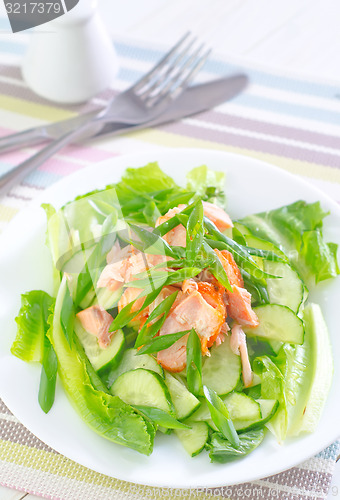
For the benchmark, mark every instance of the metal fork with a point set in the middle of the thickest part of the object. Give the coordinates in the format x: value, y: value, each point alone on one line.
x: 142, y: 102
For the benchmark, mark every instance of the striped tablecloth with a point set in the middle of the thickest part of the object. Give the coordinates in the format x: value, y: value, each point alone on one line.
x: 285, y: 120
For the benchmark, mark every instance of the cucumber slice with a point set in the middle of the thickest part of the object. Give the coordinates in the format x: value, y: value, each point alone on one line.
x: 107, y: 299
x: 305, y: 297
x: 222, y: 370
x: 130, y: 361
x: 255, y: 242
x: 242, y: 409
x: 143, y: 387
x: 184, y: 402
x: 268, y: 409
x: 194, y: 439
x: 88, y: 299
x: 75, y: 262
x: 101, y: 359
x: 277, y: 323
x: 243, y: 229
x: 287, y: 290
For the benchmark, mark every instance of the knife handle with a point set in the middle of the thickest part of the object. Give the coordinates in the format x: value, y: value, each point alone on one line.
x: 16, y: 174
x: 22, y: 139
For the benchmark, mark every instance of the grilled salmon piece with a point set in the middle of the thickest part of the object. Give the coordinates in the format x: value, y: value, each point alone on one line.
x: 239, y: 307
x: 125, y: 265
x: 97, y: 321
x: 128, y: 296
x: 239, y: 299
x: 178, y: 235
x: 231, y: 268
x: 113, y: 274
x: 192, y: 311
x: 217, y: 215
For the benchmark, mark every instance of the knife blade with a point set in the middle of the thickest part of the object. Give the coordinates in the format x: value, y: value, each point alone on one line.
x: 193, y: 100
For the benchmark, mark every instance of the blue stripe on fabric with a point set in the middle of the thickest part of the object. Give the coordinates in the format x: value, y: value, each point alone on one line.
x: 263, y: 103
x: 38, y: 178
x: 42, y: 179
x: 331, y: 452
x: 5, y: 167
x: 218, y: 67
x: 287, y: 108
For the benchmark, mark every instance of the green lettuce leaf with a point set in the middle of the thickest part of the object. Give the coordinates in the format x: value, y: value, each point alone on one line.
x: 297, y: 230
x: 107, y: 415
x: 147, y: 179
x: 208, y: 184
x: 32, y: 324
x: 32, y: 345
x: 307, y: 370
x: 222, y: 451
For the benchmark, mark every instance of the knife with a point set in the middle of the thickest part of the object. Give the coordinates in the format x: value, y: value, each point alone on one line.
x: 193, y: 100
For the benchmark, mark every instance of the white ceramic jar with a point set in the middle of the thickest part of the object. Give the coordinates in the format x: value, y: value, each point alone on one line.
x: 71, y: 59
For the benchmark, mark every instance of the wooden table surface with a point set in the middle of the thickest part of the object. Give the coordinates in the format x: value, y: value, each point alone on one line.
x: 300, y: 36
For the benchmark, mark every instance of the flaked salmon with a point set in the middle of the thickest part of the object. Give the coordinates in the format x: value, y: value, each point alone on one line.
x: 125, y: 265
x: 178, y: 235
x: 130, y: 294
x: 217, y: 215
x: 238, y: 345
x: 239, y: 299
x: 97, y: 321
x: 192, y: 311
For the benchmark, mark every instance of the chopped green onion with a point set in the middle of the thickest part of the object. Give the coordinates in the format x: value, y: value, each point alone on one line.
x: 67, y: 316
x: 161, y: 342
x: 195, y: 232
x: 148, y: 331
x: 48, y: 377
x: 220, y: 416
x: 194, y: 363
x: 161, y: 417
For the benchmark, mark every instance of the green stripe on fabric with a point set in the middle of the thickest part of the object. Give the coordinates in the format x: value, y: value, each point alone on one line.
x: 61, y: 466
x: 299, y: 167
x: 42, y: 111
x: 7, y: 213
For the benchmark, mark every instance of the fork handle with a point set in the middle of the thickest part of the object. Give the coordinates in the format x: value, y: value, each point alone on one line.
x: 16, y: 174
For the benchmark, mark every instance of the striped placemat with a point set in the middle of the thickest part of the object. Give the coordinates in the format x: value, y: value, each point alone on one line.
x: 285, y: 120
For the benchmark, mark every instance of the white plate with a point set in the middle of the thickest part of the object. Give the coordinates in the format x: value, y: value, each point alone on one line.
x: 251, y: 186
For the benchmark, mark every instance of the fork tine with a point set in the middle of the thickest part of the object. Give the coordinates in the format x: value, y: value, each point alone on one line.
x: 146, y: 78
x: 162, y: 77
x: 177, y: 83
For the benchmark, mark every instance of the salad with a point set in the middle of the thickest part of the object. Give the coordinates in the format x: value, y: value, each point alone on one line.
x: 170, y: 317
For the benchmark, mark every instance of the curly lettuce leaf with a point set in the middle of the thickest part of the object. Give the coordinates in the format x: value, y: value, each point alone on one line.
x: 297, y: 230
x: 208, y: 184
x: 147, y: 179
x: 32, y: 324
x: 222, y: 451
x: 32, y: 345
x: 107, y: 415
